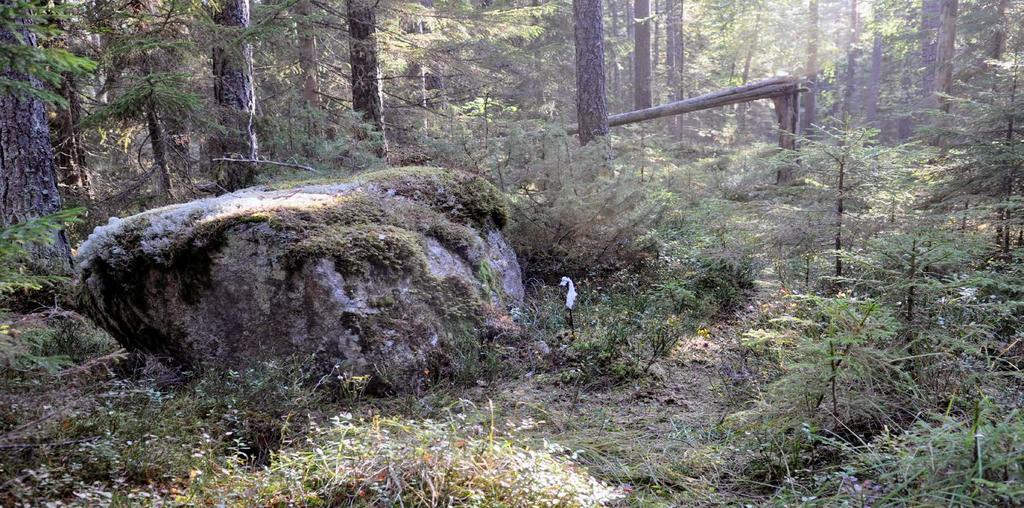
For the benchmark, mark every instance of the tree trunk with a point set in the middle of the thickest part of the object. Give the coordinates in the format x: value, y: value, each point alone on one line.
x: 670, y: 42
x: 308, y: 54
x: 741, y: 108
x: 159, y: 145
x: 787, y: 111
x: 852, y: 52
x: 70, y: 151
x: 670, y: 54
x: 929, y: 30
x: 28, y: 178
x: 616, y: 78
x: 999, y: 39
x: 944, y: 54
x: 681, y: 61
x: 905, y: 123
x: 72, y: 171
x: 875, y: 80
x: 655, y: 49
x: 840, y: 211
x: 366, y: 83
x: 642, y: 54
x: 236, y: 99
x: 591, y: 108
x: 809, y: 97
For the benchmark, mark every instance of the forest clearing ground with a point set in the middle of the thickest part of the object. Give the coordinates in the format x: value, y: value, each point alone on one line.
x: 658, y: 437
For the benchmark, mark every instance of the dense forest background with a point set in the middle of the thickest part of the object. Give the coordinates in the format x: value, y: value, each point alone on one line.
x: 816, y: 301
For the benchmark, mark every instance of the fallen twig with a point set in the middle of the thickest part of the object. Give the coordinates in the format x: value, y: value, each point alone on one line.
x: 272, y: 163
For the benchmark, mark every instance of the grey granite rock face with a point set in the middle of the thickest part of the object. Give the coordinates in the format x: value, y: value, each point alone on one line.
x: 387, y: 275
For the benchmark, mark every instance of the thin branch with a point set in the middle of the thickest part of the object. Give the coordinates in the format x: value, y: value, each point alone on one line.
x: 272, y: 163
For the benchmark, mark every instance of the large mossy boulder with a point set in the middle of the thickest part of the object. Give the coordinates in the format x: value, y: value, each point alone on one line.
x: 392, y: 274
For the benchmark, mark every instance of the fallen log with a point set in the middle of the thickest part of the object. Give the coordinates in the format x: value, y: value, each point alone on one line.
x: 771, y: 88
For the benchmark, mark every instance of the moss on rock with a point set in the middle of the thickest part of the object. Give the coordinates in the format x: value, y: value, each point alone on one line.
x: 371, y: 274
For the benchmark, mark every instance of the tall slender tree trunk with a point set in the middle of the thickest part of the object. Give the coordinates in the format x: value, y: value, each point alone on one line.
x: 680, y: 60
x: 929, y: 30
x: 944, y: 54
x: 809, y: 98
x: 235, y: 96
x: 72, y: 170
x: 671, y: 24
x: 367, y: 95
x: 1010, y: 179
x: 158, y: 142
x: 852, y: 52
x: 642, y: 54
x: 591, y: 106
x: 741, y: 108
x: 309, y: 56
x: 999, y: 39
x: 840, y: 213
x: 629, y: 21
x: 70, y: 151
x: 905, y: 123
x: 875, y: 80
x: 28, y: 177
x: 616, y: 77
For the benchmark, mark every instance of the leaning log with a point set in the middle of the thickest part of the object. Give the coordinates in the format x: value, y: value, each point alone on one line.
x: 765, y: 89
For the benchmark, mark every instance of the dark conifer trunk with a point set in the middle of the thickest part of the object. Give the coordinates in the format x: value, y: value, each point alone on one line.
x: 366, y: 82
x: 809, y: 98
x: 309, y: 56
x: 235, y: 97
x: 875, y: 79
x: 852, y: 52
x: 591, y: 108
x: 946, y: 45
x: 642, y: 54
x: 28, y: 178
x: 929, y: 31
x: 70, y: 152
x: 158, y: 142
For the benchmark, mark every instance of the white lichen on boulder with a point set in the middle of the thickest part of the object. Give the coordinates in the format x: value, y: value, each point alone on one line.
x: 377, y: 275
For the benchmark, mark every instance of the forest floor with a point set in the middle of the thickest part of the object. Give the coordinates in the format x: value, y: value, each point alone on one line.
x: 105, y: 426
x: 655, y: 439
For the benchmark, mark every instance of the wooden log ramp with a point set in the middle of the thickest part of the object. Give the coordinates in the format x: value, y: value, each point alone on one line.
x: 782, y: 90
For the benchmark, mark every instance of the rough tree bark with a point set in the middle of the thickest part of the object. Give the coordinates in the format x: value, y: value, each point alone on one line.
x: 236, y: 99
x: 309, y: 56
x: 70, y: 152
x: 929, y: 30
x: 874, y: 87
x: 72, y: 171
x: 613, y: 68
x: 366, y: 83
x: 158, y: 142
x: 809, y: 98
x: 787, y: 112
x: 741, y: 108
x: 671, y: 23
x: 642, y: 54
x: 28, y: 178
x: 852, y: 52
x: 680, y: 61
x: 946, y: 45
x: 999, y: 39
x: 591, y: 108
